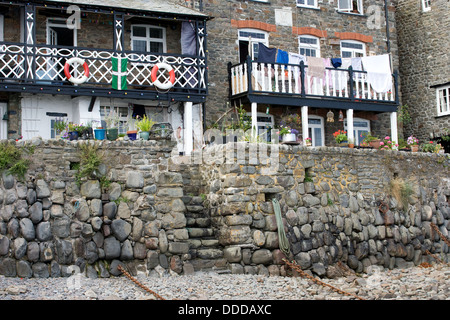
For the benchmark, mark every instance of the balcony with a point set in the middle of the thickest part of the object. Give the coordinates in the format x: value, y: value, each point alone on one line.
x: 289, y: 85
x: 36, y: 64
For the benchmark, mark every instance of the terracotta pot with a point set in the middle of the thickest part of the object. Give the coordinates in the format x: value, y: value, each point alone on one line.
x: 375, y: 144
x: 415, y: 148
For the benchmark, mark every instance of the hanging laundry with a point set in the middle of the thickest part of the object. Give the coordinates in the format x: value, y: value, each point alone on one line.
x: 295, y: 58
x: 327, y: 74
x: 265, y: 54
x: 188, y: 38
x: 379, y: 73
x: 282, y: 57
x: 336, y: 62
x: 316, y: 67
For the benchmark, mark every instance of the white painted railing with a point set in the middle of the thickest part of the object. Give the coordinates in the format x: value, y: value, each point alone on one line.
x: 287, y: 79
x: 47, y: 64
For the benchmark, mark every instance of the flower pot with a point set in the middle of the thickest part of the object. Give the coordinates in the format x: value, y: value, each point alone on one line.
x: 375, y: 144
x: 290, y: 137
x: 144, y: 135
x: 343, y: 144
x: 351, y: 145
x: 73, y: 135
x: 100, y: 134
x: 112, y: 134
x: 132, y: 134
x: 415, y: 148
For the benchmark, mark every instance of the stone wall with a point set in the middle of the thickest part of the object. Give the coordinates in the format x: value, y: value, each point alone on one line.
x: 424, y: 43
x: 336, y: 206
x: 151, y: 212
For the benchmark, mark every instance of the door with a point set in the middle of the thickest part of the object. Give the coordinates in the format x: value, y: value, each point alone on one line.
x: 316, y: 131
x: 3, y: 123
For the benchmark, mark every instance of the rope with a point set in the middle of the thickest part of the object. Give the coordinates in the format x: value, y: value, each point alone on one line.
x: 282, y: 239
x: 139, y: 284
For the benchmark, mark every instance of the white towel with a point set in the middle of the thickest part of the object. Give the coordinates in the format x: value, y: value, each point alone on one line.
x: 379, y: 74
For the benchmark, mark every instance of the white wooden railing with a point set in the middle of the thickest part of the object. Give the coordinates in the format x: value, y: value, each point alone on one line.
x: 44, y: 64
x: 294, y: 79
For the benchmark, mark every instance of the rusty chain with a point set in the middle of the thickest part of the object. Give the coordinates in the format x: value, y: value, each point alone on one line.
x: 295, y: 267
x: 440, y: 234
x: 139, y: 284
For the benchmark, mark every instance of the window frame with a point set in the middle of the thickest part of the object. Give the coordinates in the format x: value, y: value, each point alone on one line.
x: 312, y: 126
x: 306, y: 5
x: 350, y: 10
x: 438, y: 100
x: 50, y: 23
x: 353, y: 50
x: 357, y: 128
x: 426, y: 5
x: 252, y: 41
x: 309, y: 46
x: 148, y: 39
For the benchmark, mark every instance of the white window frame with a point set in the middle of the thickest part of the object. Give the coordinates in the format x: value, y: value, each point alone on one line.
x: 59, y: 25
x: 147, y: 38
x: 443, y: 107
x: 253, y: 41
x: 262, y: 125
x: 306, y: 46
x: 306, y: 5
x: 356, y: 128
x: 312, y: 134
x: 426, y: 5
x: 348, y: 6
x: 3, y: 123
x: 353, y: 51
x: 2, y: 26
x: 123, y: 111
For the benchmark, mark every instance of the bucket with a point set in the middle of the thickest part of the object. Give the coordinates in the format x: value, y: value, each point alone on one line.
x: 99, y: 134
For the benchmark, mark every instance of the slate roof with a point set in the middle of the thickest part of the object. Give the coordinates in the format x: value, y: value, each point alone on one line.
x: 162, y: 6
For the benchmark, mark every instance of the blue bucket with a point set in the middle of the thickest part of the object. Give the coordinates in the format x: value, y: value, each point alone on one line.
x: 100, y: 134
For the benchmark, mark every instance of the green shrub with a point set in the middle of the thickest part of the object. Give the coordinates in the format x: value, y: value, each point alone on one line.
x: 15, y: 160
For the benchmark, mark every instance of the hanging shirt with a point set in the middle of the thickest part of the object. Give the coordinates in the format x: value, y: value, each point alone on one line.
x: 282, y: 57
x: 379, y: 73
x: 316, y: 67
x: 336, y: 62
x: 265, y: 54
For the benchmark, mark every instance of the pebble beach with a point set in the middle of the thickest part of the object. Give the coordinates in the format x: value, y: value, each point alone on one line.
x: 417, y: 283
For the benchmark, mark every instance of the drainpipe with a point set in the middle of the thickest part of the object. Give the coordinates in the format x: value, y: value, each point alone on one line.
x: 388, y: 43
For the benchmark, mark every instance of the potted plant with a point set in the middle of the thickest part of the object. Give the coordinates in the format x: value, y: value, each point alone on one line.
x: 413, y: 143
x: 112, y: 124
x: 371, y: 141
x: 341, y: 138
x: 308, y: 142
x: 387, y: 144
x: 99, y: 132
x: 351, y: 144
x: 288, y: 134
x: 131, y: 128
x: 430, y: 147
x: 59, y: 126
x: 144, y: 125
x: 74, y: 131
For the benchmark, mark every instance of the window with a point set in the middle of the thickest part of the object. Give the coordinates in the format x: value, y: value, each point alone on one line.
x: 265, y: 124
x: 309, y: 46
x: 249, y: 40
x: 2, y: 19
x: 147, y: 38
x: 59, y: 34
x: 307, y: 3
x: 350, y: 6
x: 352, y: 49
x: 360, y: 126
x: 122, y: 117
x: 316, y: 131
x: 443, y: 104
x: 426, y: 5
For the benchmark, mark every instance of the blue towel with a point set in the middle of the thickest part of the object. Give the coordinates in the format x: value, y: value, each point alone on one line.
x: 266, y: 55
x: 282, y: 57
x: 336, y: 62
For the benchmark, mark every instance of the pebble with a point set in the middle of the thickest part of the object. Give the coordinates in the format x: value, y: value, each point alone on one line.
x: 399, y: 284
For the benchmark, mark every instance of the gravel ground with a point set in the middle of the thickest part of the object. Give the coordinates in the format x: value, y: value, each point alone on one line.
x: 417, y: 283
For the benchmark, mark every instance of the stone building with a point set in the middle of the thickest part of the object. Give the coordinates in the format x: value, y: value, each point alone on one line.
x: 39, y: 39
x: 326, y: 29
x: 424, y: 46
